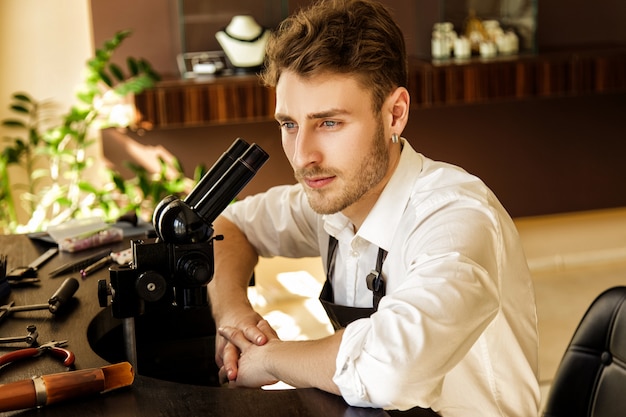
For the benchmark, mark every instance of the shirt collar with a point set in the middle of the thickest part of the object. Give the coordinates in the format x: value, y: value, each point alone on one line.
x: 381, y: 223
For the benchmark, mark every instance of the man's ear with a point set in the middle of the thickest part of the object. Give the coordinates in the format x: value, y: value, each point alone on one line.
x: 399, y: 102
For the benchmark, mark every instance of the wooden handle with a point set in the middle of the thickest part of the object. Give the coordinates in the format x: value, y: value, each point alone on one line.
x: 17, y: 395
x: 64, y: 386
x: 49, y: 389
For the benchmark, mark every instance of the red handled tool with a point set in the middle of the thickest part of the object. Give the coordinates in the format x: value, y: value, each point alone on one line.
x: 54, y: 348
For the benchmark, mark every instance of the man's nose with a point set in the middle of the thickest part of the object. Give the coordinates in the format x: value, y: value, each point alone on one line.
x: 306, y: 151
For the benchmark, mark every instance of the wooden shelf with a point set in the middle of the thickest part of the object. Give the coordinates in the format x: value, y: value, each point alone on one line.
x: 237, y: 99
x: 199, y: 102
x: 449, y: 82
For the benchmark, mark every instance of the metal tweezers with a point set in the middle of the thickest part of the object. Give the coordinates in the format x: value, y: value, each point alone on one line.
x: 76, y: 266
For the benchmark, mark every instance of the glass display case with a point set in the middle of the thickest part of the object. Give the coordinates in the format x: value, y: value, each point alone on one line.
x: 519, y: 16
x: 461, y: 21
x: 200, y: 21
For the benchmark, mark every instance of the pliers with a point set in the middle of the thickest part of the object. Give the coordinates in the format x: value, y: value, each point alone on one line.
x: 54, y: 348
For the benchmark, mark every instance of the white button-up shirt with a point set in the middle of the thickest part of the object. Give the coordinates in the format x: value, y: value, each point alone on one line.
x: 456, y: 330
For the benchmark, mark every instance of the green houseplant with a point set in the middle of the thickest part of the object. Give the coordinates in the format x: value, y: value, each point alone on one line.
x: 52, y: 152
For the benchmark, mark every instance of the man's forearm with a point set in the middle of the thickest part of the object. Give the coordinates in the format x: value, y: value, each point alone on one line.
x: 305, y: 364
x: 235, y: 260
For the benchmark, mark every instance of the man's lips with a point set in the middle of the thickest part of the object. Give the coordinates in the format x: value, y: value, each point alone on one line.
x: 318, y: 182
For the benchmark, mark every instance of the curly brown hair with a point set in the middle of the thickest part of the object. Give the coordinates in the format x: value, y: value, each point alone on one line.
x: 356, y: 37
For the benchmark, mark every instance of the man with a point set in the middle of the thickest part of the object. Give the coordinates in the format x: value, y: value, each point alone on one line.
x: 428, y: 287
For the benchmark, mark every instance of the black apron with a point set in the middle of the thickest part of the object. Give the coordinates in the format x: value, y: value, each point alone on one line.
x: 340, y: 316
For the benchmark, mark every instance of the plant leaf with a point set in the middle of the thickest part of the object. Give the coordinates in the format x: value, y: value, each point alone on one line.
x: 19, y: 108
x: 13, y: 123
x: 105, y: 78
x: 23, y: 97
x: 116, y: 71
x: 133, y: 67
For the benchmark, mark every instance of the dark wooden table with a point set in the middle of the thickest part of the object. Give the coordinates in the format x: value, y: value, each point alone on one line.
x: 148, y: 395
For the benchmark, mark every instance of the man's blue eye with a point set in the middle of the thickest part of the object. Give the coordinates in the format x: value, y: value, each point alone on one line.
x: 330, y: 123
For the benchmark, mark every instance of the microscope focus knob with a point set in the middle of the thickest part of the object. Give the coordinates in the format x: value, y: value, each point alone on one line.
x: 151, y: 286
x: 196, y: 270
x: 104, y: 290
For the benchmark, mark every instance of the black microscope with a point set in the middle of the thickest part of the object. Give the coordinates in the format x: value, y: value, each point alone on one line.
x: 170, y: 274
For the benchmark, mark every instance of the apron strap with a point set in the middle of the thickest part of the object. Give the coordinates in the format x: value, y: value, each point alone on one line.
x: 374, y: 279
x: 330, y: 267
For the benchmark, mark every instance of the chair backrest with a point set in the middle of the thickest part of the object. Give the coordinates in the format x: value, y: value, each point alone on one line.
x: 591, y: 379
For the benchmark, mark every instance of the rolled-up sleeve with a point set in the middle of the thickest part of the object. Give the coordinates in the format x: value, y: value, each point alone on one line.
x: 398, y: 358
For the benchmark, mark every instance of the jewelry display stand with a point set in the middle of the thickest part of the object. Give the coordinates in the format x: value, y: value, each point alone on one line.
x: 243, y: 42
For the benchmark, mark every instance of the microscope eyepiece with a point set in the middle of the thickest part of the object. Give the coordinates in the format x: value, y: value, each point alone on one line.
x: 189, y: 220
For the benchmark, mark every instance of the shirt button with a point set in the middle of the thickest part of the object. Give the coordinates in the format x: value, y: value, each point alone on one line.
x: 355, y: 254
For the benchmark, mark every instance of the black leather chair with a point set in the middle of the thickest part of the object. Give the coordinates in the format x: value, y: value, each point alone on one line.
x: 591, y: 379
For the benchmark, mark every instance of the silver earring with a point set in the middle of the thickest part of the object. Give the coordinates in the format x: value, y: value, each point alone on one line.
x: 395, y: 138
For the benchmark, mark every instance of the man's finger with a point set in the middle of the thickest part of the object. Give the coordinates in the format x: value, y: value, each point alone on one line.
x: 269, y: 332
x: 255, y: 335
x: 220, y: 344
x: 230, y: 357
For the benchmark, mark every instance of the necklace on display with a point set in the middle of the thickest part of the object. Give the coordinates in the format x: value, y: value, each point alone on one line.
x: 237, y: 38
x: 243, y: 42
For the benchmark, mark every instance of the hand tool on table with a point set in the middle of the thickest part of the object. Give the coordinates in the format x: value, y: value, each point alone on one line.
x: 121, y: 258
x: 48, y: 389
x: 96, y: 266
x: 60, y: 297
x: 30, y: 339
x: 55, y: 348
x: 28, y: 274
x: 76, y: 266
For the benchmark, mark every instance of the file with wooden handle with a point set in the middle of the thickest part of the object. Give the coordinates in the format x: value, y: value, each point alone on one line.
x: 49, y: 389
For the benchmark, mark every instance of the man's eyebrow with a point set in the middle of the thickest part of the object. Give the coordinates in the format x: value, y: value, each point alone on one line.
x: 312, y: 116
x: 281, y: 117
x: 327, y: 113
